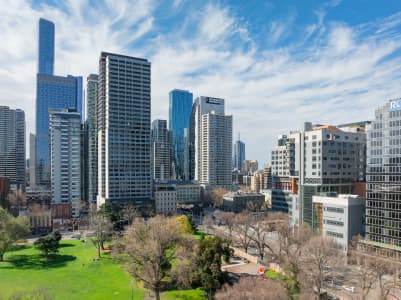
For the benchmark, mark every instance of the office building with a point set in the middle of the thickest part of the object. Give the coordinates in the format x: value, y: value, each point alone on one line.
x: 339, y: 217
x: 321, y: 159
x: 52, y: 92
x: 250, y: 166
x: 180, y: 107
x: 91, y: 128
x: 168, y: 194
x: 12, y: 145
x: 267, y: 177
x: 46, y: 47
x: 333, y: 160
x: 283, y: 156
x: 32, y: 160
x: 211, y: 138
x: 124, y: 137
x: 239, y: 201
x: 383, y: 206
x: 65, y: 145
x: 238, y: 154
x: 161, y: 150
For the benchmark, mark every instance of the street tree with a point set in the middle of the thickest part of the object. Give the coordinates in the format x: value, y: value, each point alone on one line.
x: 103, y: 230
x: 11, y: 229
x: 253, y: 289
x: 228, y: 219
x: 320, y: 258
x: 243, y: 229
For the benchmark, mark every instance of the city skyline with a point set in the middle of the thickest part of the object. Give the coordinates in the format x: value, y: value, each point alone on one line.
x: 258, y: 57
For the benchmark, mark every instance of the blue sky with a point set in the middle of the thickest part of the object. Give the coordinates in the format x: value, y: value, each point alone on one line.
x: 277, y: 63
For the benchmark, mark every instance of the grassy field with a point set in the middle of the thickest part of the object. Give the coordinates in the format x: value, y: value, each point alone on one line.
x: 73, y: 274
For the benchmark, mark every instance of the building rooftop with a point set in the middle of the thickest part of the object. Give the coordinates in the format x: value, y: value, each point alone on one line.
x: 340, y: 200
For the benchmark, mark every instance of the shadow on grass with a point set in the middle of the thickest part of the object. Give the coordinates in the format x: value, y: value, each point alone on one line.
x: 36, y: 261
x: 64, y: 245
x: 17, y: 248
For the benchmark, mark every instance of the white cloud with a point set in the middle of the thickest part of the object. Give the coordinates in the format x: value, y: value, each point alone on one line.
x: 339, y: 76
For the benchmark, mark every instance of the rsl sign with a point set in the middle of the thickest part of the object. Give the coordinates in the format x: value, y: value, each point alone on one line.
x: 395, y: 105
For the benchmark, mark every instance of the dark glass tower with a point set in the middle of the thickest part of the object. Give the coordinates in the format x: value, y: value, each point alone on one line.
x: 180, y: 107
x: 46, y: 47
x: 239, y: 154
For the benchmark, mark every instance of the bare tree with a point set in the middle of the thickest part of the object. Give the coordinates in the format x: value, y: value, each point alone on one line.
x: 149, y: 248
x: 216, y: 196
x: 319, y: 259
x: 130, y: 212
x: 228, y: 219
x: 372, y: 269
x: 253, y: 289
x: 243, y: 229
x: 103, y: 230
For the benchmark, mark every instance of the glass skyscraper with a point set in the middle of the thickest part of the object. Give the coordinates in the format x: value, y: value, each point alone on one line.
x: 180, y: 107
x: 46, y: 47
x: 239, y: 154
x: 383, y: 205
x: 52, y: 92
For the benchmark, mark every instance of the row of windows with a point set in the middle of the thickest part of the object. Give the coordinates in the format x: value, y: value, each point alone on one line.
x: 334, y: 234
x: 333, y: 222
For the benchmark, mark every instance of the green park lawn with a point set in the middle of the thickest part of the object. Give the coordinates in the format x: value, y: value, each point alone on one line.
x: 73, y: 274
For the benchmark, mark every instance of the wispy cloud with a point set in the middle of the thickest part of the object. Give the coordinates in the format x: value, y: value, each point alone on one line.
x: 335, y: 73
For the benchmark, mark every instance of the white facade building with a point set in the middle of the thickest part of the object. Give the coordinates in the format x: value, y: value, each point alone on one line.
x: 65, y: 157
x: 340, y: 218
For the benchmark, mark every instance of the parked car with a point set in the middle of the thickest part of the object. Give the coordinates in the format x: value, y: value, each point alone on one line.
x: 90, y: 234
x: 76, y: 236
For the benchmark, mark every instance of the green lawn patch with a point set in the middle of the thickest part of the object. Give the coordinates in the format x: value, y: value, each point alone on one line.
x: 72, y: 274
x: 195, y: 294
x: 275, y: 276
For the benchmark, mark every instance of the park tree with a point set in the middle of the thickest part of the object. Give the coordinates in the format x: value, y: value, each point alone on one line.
x: 184, y: 223
x: 11, y: 229
x: 48, y: 244
x: 253, y: 289
x: 320, y: 258
x: 211, y: 252
x: 103, y: 230
x: 130, y: 212
x: 149, y: 247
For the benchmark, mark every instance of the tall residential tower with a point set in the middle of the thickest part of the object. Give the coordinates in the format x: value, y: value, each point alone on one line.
x: 123, y: 120
x: 12, y: 145
x: 212, y: 141
x: 91, y: 127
